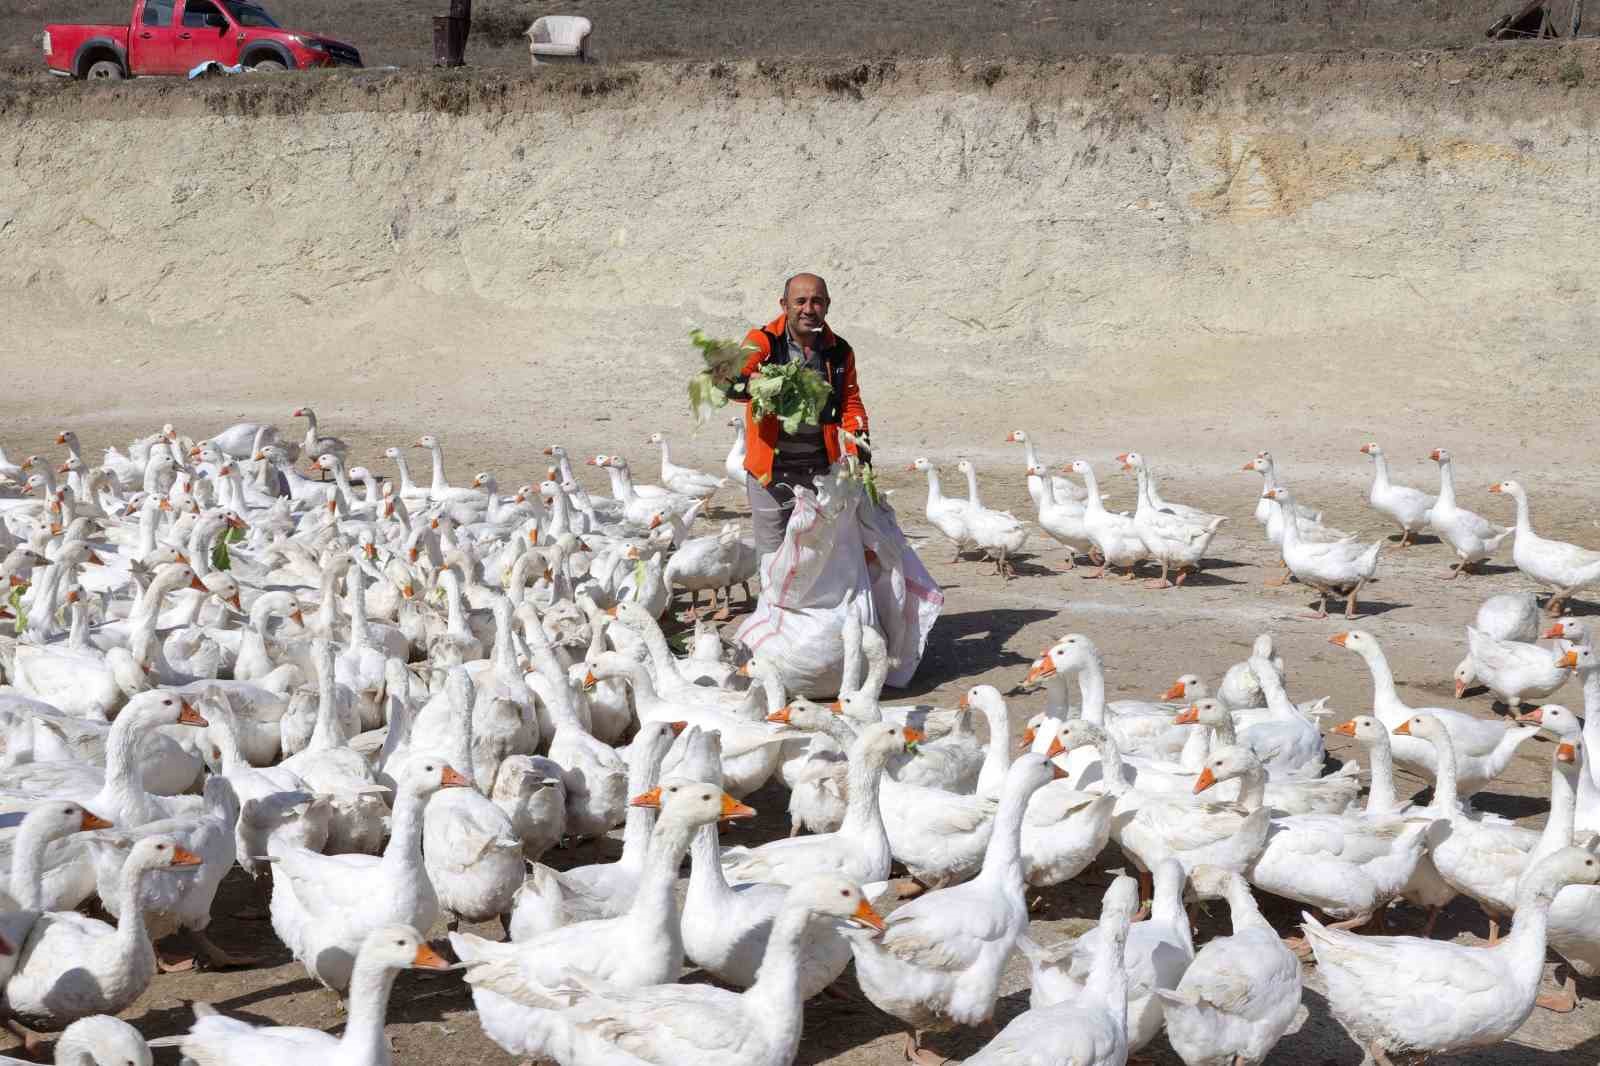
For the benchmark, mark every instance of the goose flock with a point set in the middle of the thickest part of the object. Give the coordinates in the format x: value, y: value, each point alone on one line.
x: 396, y: 705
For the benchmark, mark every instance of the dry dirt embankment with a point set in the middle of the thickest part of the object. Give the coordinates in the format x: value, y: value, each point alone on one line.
x: 1106, y: 242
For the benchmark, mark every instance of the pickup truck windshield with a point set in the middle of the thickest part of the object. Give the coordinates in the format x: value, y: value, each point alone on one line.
x: 248, y: 14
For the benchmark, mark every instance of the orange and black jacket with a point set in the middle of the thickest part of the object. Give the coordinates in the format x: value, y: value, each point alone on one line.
x: 843, y: 409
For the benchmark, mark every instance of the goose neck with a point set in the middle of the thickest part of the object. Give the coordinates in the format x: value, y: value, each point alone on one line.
x: 1092, y: 690
x: 1444, y: 780
x: 437, y: 453
x: 1524, y: 515
x: 1380, y: 471
x: 404, y: 851
x: 1242, y: 907
x: 132, y: 939
x: 1253, y: 788
x: 1381, y: 798
x: 27, y: 867
x: 1111, y: 764
x: 1002, y: 858
x: 708, y: 885
x: 1091, y: 486
x: 972, y: 486
x: 776, y: 992
x: 1447, y: 485
x: 122, y: 751
x: 1383, y: 690
x: 862, y: 814
x: 363, y: 1039
x: 1559, y: 822
x: 997, y: 756
x: 1108, y: 980
x: 655, y: 903
x: 935, y: 492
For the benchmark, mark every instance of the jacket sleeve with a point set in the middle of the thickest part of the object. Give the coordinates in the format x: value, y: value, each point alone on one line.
x: 739, y: 389
x: 852, y: 412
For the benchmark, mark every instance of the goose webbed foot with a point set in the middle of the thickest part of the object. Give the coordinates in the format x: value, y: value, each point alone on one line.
x: 32, y: 1042
x: 172, y: 962
x: 1299, y: 945
x: 920, y: 1055
x: 1562, y: 1002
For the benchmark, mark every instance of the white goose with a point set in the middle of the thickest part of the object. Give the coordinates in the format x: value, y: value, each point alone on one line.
x: 316, y: 444
x: 1473, y: 537
x: 1064, y: 489
x: 641, y: 946
x: 1340, y: 567
x: 604, y: 1023
x: 217, y: 1040
x: 1407, y: 995
x: 997, y: 532
x: 940, y: 961
x: 338, y: 899
x: 734, y: 463
x: 1564, y: 567
x: 1092, y: 1027
x: 1484, y: 748
x: 1175, y: 541
x: 684, y: 479
x: 1575, y: 915
x: 1240, y: 994
x: 98, y: 1040
x: 72, y: 967
x: 1114, y: 535
x: 1513, y: 671
x: 945, y: 513
x: 1157, y: 952
x: 1408, y: 507
x: 1061, y: 518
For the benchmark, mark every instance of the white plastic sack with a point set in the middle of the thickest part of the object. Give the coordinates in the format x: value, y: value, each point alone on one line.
x: 822, y: 573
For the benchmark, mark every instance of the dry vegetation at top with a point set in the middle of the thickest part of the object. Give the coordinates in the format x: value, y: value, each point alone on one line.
x: 399, y: 31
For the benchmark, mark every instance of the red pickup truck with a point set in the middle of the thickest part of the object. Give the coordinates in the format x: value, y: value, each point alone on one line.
x: 175, y: 36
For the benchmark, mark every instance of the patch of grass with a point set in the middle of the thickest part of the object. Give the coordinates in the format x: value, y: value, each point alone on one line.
x: 501, y: 24
x: 1570, y: 73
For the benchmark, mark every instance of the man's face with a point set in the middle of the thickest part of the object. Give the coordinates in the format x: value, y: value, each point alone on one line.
x: 805, y: 306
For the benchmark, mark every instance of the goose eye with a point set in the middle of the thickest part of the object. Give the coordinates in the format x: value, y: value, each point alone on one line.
x: 846, y: 892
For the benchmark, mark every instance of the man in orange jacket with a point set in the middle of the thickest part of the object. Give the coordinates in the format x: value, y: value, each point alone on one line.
x: 775, y: 461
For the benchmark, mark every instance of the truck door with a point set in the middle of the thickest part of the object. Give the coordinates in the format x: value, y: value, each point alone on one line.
x: 150, y: 39
x: 204, y: 32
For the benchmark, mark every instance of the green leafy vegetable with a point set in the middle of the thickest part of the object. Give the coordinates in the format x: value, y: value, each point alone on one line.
x: 791, y: 392
x: 724, y: 359
x: 16, y: 607
x: 869, y: 482
x: 220, y: 559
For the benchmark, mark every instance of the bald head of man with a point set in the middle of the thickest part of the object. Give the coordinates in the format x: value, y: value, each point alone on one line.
x: 805, y: 306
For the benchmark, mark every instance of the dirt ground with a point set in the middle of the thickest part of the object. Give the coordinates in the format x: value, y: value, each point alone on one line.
x: 988, y: 633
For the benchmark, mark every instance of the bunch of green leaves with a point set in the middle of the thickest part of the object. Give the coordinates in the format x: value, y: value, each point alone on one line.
x: 709, y: 387
x: 869, y: 482
x: 220, y: 559
x: 791, y: 392
x: 17, y: 609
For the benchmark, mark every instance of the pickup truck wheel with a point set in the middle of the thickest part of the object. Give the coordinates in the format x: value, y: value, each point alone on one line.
x: 269, y: 66
x: 104, y: 70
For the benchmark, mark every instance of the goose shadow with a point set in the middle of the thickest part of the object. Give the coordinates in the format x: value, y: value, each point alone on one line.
x: 964, y: 643
x: 1364, y: 609
x: 1209, y: 563
x: 1416, y: 541
x: 1206, y: 577
x: 1576, y: 608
